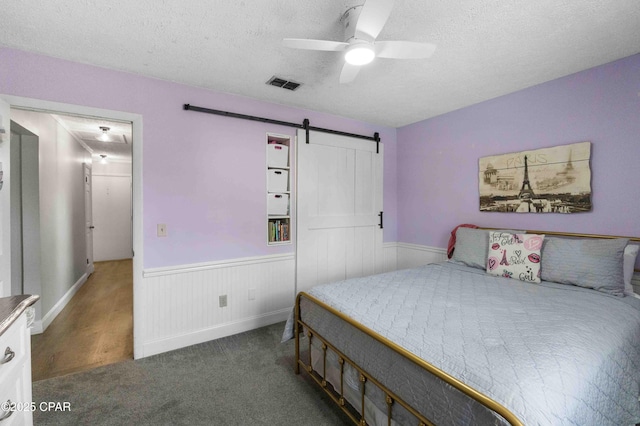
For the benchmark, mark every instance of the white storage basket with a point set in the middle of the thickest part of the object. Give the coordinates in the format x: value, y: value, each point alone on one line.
x: 277, y: 180
x: 277, y: 155
x: 277, y: 204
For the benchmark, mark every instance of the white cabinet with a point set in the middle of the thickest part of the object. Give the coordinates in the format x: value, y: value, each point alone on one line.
x: 15, y: 374
x: 278, y: 189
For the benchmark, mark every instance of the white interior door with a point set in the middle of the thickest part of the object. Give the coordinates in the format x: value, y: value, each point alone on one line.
x: 339, y: 196
x: 5, y: 201
x: 88, y: 215
x: 112, y: 217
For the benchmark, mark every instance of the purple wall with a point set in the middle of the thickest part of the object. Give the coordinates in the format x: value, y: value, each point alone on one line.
x: 438, y: 158
x: 203, y: 175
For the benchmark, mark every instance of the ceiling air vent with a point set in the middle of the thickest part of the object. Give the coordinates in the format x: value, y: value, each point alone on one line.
x: 281, y: 82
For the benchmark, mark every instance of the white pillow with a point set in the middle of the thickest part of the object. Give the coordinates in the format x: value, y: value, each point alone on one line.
x: 514, y: 256
x: 629, y: 263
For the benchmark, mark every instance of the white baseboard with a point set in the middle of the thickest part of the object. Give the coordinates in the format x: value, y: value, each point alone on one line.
x: 214, y: 332
x: 39, y: 326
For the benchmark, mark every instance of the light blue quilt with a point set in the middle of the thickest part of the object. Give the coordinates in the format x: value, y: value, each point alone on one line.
x: 552, y: 354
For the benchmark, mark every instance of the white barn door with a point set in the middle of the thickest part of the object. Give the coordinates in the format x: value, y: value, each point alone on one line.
x: 339, y: 200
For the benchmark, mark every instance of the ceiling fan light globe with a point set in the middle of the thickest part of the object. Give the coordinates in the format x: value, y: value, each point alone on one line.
x: 361, y: 54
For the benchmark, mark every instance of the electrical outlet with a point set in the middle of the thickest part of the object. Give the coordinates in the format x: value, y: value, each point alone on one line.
x: 223, y: 300
x: 252, y: 294
x: 162, y: 230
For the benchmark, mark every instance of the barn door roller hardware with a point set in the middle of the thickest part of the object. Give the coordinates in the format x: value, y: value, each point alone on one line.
x: 305, y: 124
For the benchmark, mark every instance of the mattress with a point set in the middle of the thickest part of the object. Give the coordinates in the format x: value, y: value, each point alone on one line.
x: 550, y: 353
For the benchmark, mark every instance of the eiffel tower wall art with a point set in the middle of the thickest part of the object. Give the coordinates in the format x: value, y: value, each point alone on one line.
x: 547, y: 180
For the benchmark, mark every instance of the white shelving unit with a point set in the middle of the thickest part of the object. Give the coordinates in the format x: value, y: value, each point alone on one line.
x: 278, y: 189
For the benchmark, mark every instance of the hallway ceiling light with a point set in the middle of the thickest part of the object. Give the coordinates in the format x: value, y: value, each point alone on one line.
x: 104, y: 137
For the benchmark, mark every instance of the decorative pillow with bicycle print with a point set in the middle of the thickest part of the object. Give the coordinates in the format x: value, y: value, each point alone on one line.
x: 515, y: 256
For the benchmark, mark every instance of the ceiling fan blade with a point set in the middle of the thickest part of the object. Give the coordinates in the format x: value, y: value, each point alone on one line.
x: 404, y: 49
x: 373, y: 16
x: 304, y: 43
x: 349, y: 73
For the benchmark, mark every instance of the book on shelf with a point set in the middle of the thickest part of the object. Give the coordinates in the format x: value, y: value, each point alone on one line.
x: 278, y: 231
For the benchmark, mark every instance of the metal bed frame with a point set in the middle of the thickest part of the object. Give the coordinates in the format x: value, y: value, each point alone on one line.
x: 391, y: 398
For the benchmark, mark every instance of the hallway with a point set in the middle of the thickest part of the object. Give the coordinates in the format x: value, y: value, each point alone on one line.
x: 94, y: 329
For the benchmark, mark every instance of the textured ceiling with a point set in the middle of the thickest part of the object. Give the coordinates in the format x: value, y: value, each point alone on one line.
x: 87, y: 130
x: 486, y: 48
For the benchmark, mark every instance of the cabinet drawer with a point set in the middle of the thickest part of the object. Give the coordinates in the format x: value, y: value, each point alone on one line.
x: 13, y: 391
x: 13, y: 347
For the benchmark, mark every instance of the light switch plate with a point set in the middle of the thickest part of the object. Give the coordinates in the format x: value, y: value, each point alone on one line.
x: 162, y: 230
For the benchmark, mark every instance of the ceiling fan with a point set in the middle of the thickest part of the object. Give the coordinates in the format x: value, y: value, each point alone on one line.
x: 362, y: 24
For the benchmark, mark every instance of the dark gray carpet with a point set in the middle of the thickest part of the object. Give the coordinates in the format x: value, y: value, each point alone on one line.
x: 238, y: 380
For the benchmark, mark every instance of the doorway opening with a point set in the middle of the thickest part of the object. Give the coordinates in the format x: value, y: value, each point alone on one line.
x: 85, y: 315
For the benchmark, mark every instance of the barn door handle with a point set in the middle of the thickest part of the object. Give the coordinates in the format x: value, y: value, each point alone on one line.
x: 380, y: 224
x: 91, y: 227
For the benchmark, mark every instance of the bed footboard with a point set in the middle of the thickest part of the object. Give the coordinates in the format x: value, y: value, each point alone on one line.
x: 392, y: 400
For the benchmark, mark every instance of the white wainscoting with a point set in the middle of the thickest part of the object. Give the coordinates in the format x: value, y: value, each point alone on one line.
x: 390, y: 253
x: 181, y: 304
x: 413, y: 255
